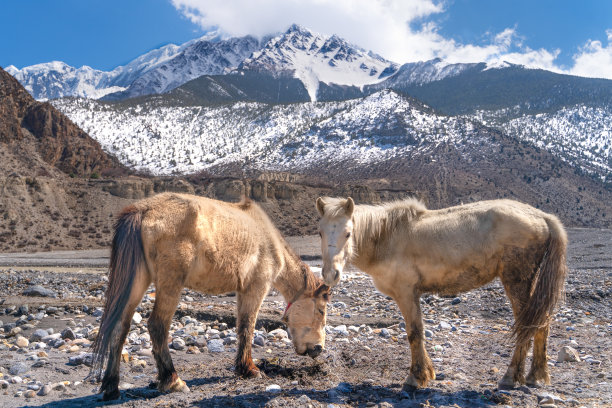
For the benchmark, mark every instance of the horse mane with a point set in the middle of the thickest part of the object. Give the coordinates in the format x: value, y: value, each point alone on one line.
x: 245, y: 203
x: 310, y: 282
x: 380, y: 221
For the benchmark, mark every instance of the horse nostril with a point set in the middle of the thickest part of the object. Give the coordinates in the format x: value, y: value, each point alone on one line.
x: 336, y: 274
x: 315, y: 351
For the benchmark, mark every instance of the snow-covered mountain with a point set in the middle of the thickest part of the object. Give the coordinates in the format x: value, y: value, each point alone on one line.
x: 329, y: 68
x: 57, y: 79
x: 315, y: 58
x: 423, y: 72
x: 157, y: 136
x: 166, y: 139
x: 580, y: 134
x: 202, y: 57
x: 154, y: 72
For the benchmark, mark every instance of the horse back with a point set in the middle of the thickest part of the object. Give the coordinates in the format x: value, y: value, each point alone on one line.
x: 209, y: 245
x: 460, y: 248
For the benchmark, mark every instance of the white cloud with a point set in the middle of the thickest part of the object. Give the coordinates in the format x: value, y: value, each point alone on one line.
x: 594, y: 60
x: 400, y: 30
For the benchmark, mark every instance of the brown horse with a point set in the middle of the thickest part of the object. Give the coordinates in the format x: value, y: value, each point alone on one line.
x: 179, y: 240
x: 409, y: 250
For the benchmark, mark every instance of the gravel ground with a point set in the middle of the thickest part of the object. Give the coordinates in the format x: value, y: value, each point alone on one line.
x: 44, y: 341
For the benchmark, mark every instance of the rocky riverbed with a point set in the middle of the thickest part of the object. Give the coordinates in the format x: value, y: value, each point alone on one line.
x: 49, y: 315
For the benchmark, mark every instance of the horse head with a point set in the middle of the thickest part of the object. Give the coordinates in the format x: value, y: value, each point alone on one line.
x: 305, y: 319
x: 335, y: 229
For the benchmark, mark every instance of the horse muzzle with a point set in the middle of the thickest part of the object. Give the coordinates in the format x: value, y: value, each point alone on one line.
x: 332, y: 277
x: 315, y: 351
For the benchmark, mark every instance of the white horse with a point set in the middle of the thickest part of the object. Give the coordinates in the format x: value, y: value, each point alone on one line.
x: 409, y: 250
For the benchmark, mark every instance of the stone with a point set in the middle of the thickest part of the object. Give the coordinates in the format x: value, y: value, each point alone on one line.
x: 38, y: 290
x: 38, y: 335
x: 568, y: 354
x: 178, y: 344
x: 215, y: 346
x: 4, y: 384
x: 15, y: 331
x: 444, y: 326
x: 385, y: 333
x: 60, y: 386
x: 456, y: 301
x: 259, y: 341
x: 137, y: 318
x: 273, y: 388
x: 340, y: 330
x: 230, y: 340
x: 278, y: 333
x: 45, y: 390
x: 303, y: 400
x: 193, y: 350
x: 139, y: 363
x: 19, y: 368
x: 51, y: 338
x: 547, y: 398
x: 29, y: 394
x: 68, y: 334
x: 22, y: 342
x: 428, y: 334
x: 83, y: 358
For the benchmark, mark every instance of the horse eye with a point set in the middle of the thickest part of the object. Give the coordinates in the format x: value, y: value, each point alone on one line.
x: 321, y: 311
x: 348, y: 234
x: 320, y: 235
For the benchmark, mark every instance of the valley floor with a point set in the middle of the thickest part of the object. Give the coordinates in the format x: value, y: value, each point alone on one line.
x: 367, y: 357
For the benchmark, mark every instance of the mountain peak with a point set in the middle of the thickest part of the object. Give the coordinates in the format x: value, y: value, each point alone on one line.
x: 296, y: 28
x: 315, y: 58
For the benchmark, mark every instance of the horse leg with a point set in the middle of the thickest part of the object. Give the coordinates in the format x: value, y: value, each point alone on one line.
x: 421, y: 368
x: 110, y: 381
x: 166, y: 300
x: 518, y: 293
x: 539, y: 374
x: 248, y: 303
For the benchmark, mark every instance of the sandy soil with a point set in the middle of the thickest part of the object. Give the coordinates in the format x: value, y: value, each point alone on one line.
x: 367, y: 356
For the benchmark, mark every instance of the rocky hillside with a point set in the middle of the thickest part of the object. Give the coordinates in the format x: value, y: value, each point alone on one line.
x: 46, y: 135
x: 386, y: 141
x: 59, y: 190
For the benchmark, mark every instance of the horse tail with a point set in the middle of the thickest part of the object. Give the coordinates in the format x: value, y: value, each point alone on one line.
x: 126, y: 261
x: 548, y: 288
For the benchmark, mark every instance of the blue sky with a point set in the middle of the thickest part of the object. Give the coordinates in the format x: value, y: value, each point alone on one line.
x: 560, y: 35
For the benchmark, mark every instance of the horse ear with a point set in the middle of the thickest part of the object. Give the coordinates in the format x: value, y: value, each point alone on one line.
x: 349, y: 207
x: 322, y: 291
x: 321, y: 206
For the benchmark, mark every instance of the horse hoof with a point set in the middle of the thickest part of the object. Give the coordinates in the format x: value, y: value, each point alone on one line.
x: 536, y: 382
x: 252, y: 373
x: 412, y: 383
x: 111, y: 395
x: 506, y: 383
x: 179, y: 386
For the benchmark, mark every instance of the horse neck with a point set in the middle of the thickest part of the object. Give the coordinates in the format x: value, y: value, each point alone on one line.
x: 368, y: 225
x: 295, y: 278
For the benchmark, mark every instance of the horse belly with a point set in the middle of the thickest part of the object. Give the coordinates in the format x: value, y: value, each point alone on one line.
x: 451, y: 282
